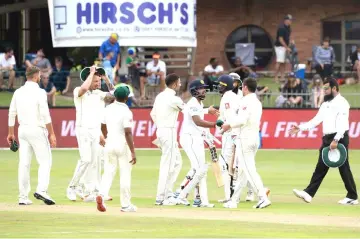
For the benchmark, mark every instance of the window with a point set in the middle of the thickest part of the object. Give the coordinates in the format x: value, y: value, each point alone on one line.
x: 251, y: 34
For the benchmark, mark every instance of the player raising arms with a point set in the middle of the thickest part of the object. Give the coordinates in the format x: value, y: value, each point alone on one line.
x: 192, y: 141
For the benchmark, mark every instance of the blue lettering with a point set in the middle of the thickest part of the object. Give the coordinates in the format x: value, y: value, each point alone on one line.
x: 108, y: 12
x: 83, y: 13
x: 129, y: 15
x: 165, y: 13
x: 141, y: 10
x: 96, y: 13
x: 185, y: 17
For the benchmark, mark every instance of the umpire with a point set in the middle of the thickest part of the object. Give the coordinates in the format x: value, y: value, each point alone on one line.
x: 334, y: 114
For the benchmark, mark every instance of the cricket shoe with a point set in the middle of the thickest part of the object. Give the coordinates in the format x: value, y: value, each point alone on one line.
x: 100, y: 205
x: 159, y: 202
x: 182, y: 201
x: 250, y: 197
x: 196, y: 203
x: 263, y: 203
x: 43, y: 196
x: 303, y: 195
x: 108, y: 198
x: 25, y: 201
x: 209, y: 205
x: 79, y: 191
x: 131, y: 208
x: 348, y: 201
x: 223, y: 200
x: 71, y: 194
x: 90, y: 198
x: 230, y: 204
x: 177, y: 193
x: 170, y: 201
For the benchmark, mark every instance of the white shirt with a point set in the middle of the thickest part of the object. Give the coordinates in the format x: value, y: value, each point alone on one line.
x: 117, y: 117
x: 249, y: 116
x: 166, y: 109
x: 334, y: 115
x: 7, y: 62
x: 192, y: 108
x: 229, y: 106
x: 210, y: 69
x: 160, y: 66
x: 29, y: 104
x: 89, y: 108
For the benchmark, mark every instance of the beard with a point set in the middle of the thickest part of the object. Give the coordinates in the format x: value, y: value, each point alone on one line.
x: 236, y: 90
x: 329, y: 97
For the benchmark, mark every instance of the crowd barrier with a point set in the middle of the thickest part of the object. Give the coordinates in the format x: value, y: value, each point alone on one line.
x: 275, y: 127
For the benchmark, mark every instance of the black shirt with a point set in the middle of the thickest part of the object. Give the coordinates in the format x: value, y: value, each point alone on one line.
x: 292, y: 91
x: 284, y: 32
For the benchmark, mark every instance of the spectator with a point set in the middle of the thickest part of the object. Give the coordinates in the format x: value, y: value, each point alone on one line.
x: 355, y: 60
x: 50, y: 89
x: 324, y: 59
x: 133, y: 64
x: 212, y: 72
x: 282, y: 46
x: 60, y: 77
x: 240, y: 69
x: 317, y: 91
x: 126, y: 81
x: 156, y: 72
x: 41, y: 62
x: 111, y: 45
x: 293, y: 90
x: 109, y: 70
x: 7, y: 68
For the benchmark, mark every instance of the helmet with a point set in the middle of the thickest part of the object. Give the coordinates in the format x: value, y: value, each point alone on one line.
x: 194, y: 88
x: 238, y: 81
x: 235, y: 76
x: 225, y: 83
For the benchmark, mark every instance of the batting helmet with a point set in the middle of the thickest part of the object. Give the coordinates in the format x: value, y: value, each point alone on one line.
x: 225, y: 84
x: 194, y: 88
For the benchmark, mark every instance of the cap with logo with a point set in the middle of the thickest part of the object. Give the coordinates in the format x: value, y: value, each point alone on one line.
x: 197, y: 84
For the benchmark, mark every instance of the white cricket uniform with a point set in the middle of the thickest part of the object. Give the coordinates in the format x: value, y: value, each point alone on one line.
x: 117, y: 118
x: 165, y: 114
x: 229, y: 106
x: 29, y: 104
x: 89, y: 112
x: 192, y: 141
x: 247, y: 143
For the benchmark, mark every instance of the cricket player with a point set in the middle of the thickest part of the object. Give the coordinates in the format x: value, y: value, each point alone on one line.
x: 36, y: 135
x: 165, y: 114
x: 192, y: 141
x: 247, y: 143
x: 89, y: 104
x: 119, y: 149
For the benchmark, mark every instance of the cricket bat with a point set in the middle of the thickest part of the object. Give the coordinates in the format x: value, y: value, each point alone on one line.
x: 231, y: 163
x: 217, y: 173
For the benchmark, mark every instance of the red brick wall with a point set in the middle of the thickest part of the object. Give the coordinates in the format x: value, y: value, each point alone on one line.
x: 216, y: 19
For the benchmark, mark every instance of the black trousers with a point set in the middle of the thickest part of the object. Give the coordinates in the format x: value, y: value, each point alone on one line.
x: 326, y: 72
x: 321, y: 170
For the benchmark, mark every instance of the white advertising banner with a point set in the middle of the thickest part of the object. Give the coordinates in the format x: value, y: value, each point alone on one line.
x: 77, y: 23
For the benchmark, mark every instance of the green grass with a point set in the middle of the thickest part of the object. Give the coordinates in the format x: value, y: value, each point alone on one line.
x: 281, y: 170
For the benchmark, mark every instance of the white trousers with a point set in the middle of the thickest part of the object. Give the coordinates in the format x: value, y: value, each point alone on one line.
x: 33, y: 140
x: 88, y: 142
x: 92, y: 177
x: 193, y: 146
x: 170, y: 162
x: 117, y: 153
x: 246, y: 149
x: 226, y: 155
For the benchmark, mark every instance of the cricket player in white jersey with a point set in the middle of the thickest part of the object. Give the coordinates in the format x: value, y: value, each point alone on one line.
x: 119, y: 149
x: 247, y: 143
x: 29, y: 104
x: 165, y: 114
x: 89, y: 104
x: 192, y: 141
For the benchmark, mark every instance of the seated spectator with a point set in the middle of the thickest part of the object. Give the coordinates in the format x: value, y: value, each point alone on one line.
x: 106, y: 64
x: 291, y: 93
x: 126, y: 81
x: 355, y: 61
x: 41, y: 62
x: 50, y: 89
x: 212, y: 73
x: 133, y: 63
x: 60, y: 77
x: 324, y: 59
x: 240, y: 69
x: 156, y: 72
x: 7, y: 68
x: 317, y: 91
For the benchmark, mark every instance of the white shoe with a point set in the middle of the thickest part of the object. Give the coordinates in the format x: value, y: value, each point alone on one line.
x: 250, y: 196
x: 25, y: 201
x: 223, y: 200
x: 71, y: 194
x: 170, y: 201
x: 101, y: 207
x: 108, y: 198
x: 348, y: 201
x: 43, y: 196
x: 209, y: 205
x: 230, y: 204
x: 263, y: 203
x: 131, y: 208
x: 182, y: 201
x: 303, y: 195
x: 79, y: 192
x: 90, y: 198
